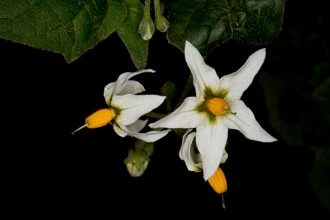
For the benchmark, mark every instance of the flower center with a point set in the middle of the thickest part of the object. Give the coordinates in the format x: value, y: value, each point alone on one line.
x: 218, y: 106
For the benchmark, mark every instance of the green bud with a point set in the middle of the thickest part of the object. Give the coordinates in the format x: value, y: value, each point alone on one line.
x: 146, y: 27
x: 168, y: 89
x: 136, y: 171
x: 138, y: 159
x: 162, y: 23
x: 149, y: 148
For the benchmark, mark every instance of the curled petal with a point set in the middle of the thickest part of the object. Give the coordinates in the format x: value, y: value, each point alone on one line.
x: 117, y: 87
x: 137, y: 126
x: 148, y: 137
x: 118, y: 129
x: 132, y: 87
x: 187, y: 153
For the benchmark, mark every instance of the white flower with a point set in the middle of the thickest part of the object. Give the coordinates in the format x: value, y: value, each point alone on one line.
x: 127, y: 107
x: 216, y: 108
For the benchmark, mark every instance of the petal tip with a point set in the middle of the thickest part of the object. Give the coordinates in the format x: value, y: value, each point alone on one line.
x: 150, y: 70
x: 188, y: 46
x: 261, y: 52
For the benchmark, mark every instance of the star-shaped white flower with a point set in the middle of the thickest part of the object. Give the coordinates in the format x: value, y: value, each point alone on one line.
x: 127, y: 107
x: 216, y: 108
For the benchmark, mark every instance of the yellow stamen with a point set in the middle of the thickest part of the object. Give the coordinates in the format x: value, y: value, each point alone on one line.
x: 218, y: 181
x: 98, y: 119
x: 218, y: 106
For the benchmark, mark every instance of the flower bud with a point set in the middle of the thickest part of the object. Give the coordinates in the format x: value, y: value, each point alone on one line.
x: 136, y: 162
x: 146, y: 27
x: 161, y: 22
x: 168, y: 89
x: 134, y: 170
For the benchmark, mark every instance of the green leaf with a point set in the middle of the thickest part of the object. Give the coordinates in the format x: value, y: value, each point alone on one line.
x: 320, y: 179
x: 208, y: 23
x: 296, y: 83
x: 128, y: 32
x: 67, y: 27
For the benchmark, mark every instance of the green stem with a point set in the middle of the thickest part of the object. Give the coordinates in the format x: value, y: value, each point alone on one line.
x: 157, y: 7
x: 147, y: 8
x: 155, y: 115
x: 223, y: 201
x: 169, y: 104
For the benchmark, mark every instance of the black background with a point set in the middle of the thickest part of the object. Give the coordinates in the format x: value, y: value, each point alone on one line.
x: 48, y: 172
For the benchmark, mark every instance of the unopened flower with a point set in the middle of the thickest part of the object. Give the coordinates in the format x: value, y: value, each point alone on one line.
x: 146, y: 27
x: 138, y: 159
x: 216, y: 108
x: 136, y: 163
x: 126, y: 107
x: 161, y: 22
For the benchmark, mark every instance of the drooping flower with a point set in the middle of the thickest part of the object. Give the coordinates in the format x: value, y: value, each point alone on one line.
x: 216, y: 108
x: 126, y: 107
x: 193, y: 161
x: 190, y: 156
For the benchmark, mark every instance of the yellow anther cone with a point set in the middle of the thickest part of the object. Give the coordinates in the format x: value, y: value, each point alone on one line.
x: 218, y: 181
x: 218, y: 106
x: 98, y: 119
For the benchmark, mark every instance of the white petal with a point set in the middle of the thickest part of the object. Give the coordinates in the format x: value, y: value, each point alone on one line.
x: 120, y: 84
x: 151, y: 136
x: 132, y: 87
x: 224, y: 157
x: 148, y: 137
x: 134, y: 106
x: 211, y: 141
x: 137, y: 126
x: 108, y: 92
x: 187, y: 153
x: 123, y: 78
x: 204, y: 75
x: 119, y: 130
x: 239, y: 81
x: 245, y: 122
x: 185, y: 116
